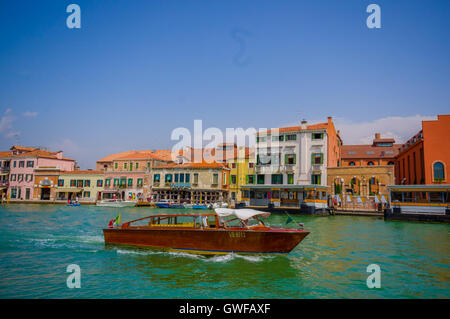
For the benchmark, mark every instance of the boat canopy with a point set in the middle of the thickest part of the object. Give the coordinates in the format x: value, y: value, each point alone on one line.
x: 243, y: 214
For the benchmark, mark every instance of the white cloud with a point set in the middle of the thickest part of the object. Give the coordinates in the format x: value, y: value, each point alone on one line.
x: 30, y: 114
x: 6, y: 124
x: 397, y: 127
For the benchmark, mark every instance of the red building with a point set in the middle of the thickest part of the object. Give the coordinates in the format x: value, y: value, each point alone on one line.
x: 424, y: 158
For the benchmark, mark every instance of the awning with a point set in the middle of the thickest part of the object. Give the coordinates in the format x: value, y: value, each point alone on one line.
x: 69, y: 190
x: 243, y: 214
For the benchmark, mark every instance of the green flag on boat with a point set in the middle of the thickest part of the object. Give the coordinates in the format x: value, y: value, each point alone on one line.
x: 290, y: 219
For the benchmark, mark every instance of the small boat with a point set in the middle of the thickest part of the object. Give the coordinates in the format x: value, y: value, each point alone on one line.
x: 167, y: 204
x: 115, y: 203
x: 220, y: 205
x: 225, y: 231
x: 200, y: 207
x: 73, y: 204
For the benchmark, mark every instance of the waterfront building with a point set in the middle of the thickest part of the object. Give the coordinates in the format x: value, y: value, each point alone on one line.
x: 291, y: 166
x: 193, y: 183
x: 86, y: 185
x: 24, y: 161
x: 366, y: 169
x: 242, y: 172
x: 425, y: 157
x: 128, y: 174
x: 45, y: 183
x: 382, y: 152
x: 5, y: 160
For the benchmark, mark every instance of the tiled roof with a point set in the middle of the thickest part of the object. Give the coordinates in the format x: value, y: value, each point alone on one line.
x: 318, y: 126
x: 361, y: 151
x: 193, y: 165
x: 163, y: 155
x: 40, y: 153
x: 5, y: 154
x: 84, y: 172
x: 23, y: 148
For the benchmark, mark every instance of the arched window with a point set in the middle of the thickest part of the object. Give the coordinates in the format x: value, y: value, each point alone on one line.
x: 351, y: 163
x: 438, y: 171
x: 370, y: 163
x: 391, y: 163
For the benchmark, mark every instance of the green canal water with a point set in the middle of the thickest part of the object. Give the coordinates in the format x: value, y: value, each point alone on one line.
x: 38, y: 242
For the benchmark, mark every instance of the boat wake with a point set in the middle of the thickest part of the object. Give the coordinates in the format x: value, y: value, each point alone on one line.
x: 215, y: 259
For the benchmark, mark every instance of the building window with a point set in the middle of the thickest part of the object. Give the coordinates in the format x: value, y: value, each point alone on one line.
x: 80, y: 183
x: 224, y: 179
x: 277, y: 178
x: 136, y: 165
x: 87, y: 183
x: 315, y: 179
x: 188, y: 178
x: 291, y: 137
x: 60, y: 182
x: 13, y: 177
x: 289, y: 159
x: 13, y: 193
x: 260, y: 139
x: 233, y: 179
x: 73, y: 183
x: 251, y: 165
x: 233, y: 165
x: 181, y: 178
x: 317, y: 158
x: 108, y: 182
x: 156, y: 178
x: 123, y: 181
x: 99, y: 182
x: 140, y: 182
x: 317, y: 136
x: 27, y: 193
x: 391, y: 163
x: 15, y: 164
x: 30, y: 163
x: 438, y: 171
x: 116, y: 165
x: 29, y: 177
x: 116, y: 182
x: 260, y: 179
x: 22, y: 164
x: 86, y: 194
x: 385, y: 144
x: 176, y: 178
x: 233, y: 195
x: 351, y: 163
x: 130, y: 182
x: 148, y: 165
x: 20, y: 177
x: 370, y: 163
x: 250, y: 179
x: 290, y: 179
x: 168, y: 178
x: 215, y: 179
x: 196, y: 178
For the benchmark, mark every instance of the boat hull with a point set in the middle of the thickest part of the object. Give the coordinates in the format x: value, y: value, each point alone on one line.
x: 199, y: 241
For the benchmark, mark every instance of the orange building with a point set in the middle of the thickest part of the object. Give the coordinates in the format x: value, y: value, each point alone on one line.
x: 424, y: 158
x: 382, y: 151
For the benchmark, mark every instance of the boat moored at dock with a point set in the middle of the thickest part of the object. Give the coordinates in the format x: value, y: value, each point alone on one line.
x: 419, y: 202
x: 115, y: 203
x: 225, y: 231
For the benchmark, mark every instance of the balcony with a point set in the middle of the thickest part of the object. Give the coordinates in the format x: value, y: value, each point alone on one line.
x: 180, y: 185
x: 288, y: 168
x: 4, y: 170
x: 268, y: 169
x: 317, y: 167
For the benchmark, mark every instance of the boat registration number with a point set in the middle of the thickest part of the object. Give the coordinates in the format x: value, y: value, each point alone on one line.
x: 235, y: 234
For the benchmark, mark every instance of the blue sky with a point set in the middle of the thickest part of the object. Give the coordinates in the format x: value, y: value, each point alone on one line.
x: 138, y: 69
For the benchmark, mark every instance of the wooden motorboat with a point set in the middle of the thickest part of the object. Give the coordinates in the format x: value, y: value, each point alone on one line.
x: 115, y: 203
x: 225, y: 231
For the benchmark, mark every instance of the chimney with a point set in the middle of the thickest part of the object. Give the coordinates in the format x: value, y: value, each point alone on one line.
x: 303, y: 126
x: 59, y: 155
x: 330, y: 119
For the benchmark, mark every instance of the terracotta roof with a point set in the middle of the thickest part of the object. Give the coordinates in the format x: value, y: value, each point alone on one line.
x: 5, y: 154
x: 163, y: 155
x: 84, y: 172
x: 193, y: 165
x: 23, y: 148
x: 40, y: 153
x: 318, y: 126
x: 360, y: 151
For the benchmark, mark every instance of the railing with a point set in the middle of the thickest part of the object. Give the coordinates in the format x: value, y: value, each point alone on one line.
x: 288, y: 168
x: 268, y: 169
x: 317, y: 167
x: 180, y: 185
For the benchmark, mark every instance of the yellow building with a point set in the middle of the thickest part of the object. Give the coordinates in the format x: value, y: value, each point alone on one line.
x: 242, y: 172
x: 86, y: 185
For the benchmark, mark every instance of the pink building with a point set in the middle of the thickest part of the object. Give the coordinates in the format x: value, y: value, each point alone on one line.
x: 24, y: 161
